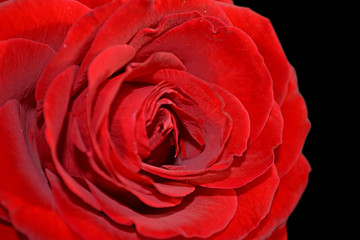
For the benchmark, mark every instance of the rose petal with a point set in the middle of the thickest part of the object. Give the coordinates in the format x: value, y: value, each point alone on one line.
x: 146, y: 194
x: 121, y: 30
x: 296, y: 127
x: 255, y: 161
x: 105, y: 64
x: 140, y: 186
x: 291, y: 187
x: 79, y: 145
x: 26, y: 200
x: 254, y: 203
x: 45, y: 21
x: 75, y: 162
x: 137, y: 14
x: 8, y: 232
x: 76, y: 136
x: 79, y: 117
x: 95, y: 3
x: 19, y: 73
x: 155, y: 62
x: 247, y: 81
x: 262, y: 33
x: 3, y: 214
x: 171, y: 222
x: 55, y: 107
x: 240, y: 131
x: 174, y: 189
x: 122, y: 122
x: 279, y: 234
x: 74, y: 47
x: 86, y: 222
x: 147, y: 35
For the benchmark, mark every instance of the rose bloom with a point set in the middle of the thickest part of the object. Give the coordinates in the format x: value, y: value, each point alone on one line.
x: 146, y: 119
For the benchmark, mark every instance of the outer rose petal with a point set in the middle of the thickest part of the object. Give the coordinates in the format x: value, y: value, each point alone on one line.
x: 26, y: 200
x: 262, y: 33
x: 89, y: 224
x: 22, y: 62
x: 279, y: 234
x: 45, y: 21
x: 75, y: 46
x: 291, y: 187
x: 296, y: 127
x: 254, y: 202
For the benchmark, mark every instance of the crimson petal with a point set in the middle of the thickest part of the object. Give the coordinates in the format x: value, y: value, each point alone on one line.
x: 135, y: 15
x: 84, y: 221
x: 279, y: 234
x: 291, y: 187
x: 8, y: 232
x: 247, y: 81
x: 105, y: 64
x: 95, y: 3
x: 174, y: 189
x: 296, y: 127
x: 3, y: 214
x: 26, y: 200
x: 262, y: 33
x: 217, y: 205
x: 240, y: 132
x: 254, y: 203
x: 32, y: 22
x: 55, y: 107
x: 255, y: 161
x: 19, y: 73
x: 74, y: 47
x: 147, y: 35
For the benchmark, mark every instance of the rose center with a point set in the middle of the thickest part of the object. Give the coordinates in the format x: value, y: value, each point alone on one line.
x: 162, y: 139
x: 167, y: 125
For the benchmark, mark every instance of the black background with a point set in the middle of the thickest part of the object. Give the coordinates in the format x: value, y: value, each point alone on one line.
x: 315, y: 38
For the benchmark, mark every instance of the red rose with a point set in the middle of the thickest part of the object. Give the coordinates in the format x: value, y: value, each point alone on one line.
x: 146, y: 119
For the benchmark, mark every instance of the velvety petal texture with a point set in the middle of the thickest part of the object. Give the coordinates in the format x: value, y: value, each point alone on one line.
x: 291, y: 187
x: 23, y: 199
x: 22, y: 62
x: 146, y: 119
x: 42, y: 21
x: 262, y: 33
